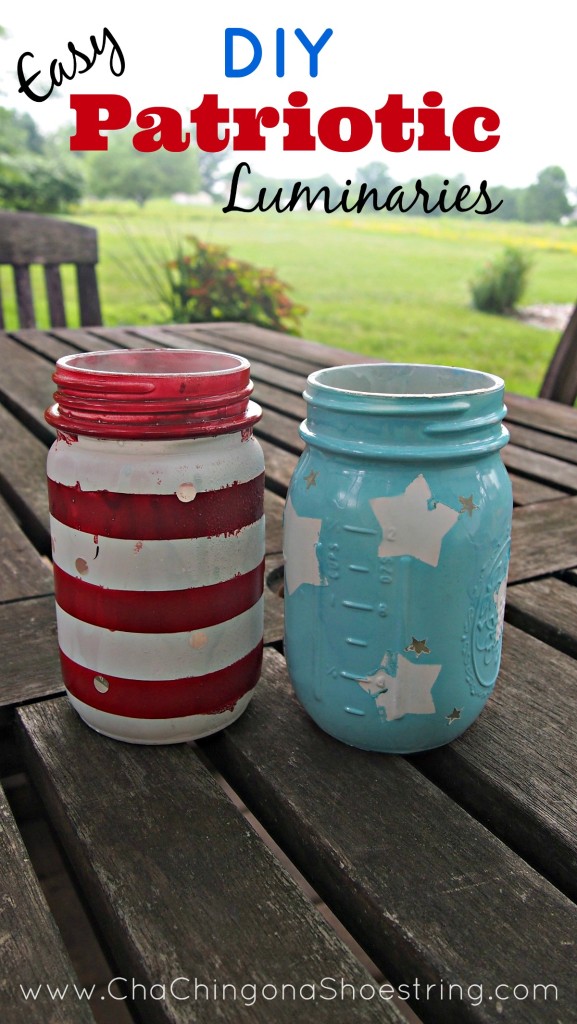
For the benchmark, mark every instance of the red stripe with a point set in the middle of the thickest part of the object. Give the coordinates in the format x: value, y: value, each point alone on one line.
x: 170, y: 698
x: 157, y: 516
x: 158, y: 611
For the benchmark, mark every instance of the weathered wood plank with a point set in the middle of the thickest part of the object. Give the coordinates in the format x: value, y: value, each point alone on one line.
x: 26, y: 386
x: 30, y: 663
x: 81, y: 340
x: 279, y: 466
x: 274, y: 511
x: 420, y: 884
x: 180, y: 884
x: 540, y: 441
x: 527, y: 492
x: 24, y: 299
x: 273, y: 600
x: 541, y: 467
x: 514, y: 768
x: 88, y: 297
x: 279, y: 430
x: 312, y: 353
x: 283, y: 357
x: 544, y: 539
x: 55, y: 294
x: 543, y: 414
x: 43, y: 343
x: 22, y: 476
x: 33, y: 953
x: 23, y: 573
x: 546, y: 608
x: 31, y: 238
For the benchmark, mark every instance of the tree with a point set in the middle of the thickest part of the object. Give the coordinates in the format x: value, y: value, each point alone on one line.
x: 547, y: 200
x: 123, y: 172
x: 376, y: 175
x: 32, y: 182
x: 511, y: 200
x: 211, y: 175
x: 18, y: 132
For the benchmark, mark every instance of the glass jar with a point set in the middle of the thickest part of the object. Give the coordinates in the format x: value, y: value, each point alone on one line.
x: 156, y: 488
x: 397, y: 535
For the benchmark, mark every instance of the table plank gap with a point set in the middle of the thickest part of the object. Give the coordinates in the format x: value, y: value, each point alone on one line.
x: 548, y: 416
x: 532, y: 552
x: 23, y: 572
x: 429, y: 892
x: 180, y: 884
x: 33, y: 953
x: 546, y: 608
x: 514, y: 768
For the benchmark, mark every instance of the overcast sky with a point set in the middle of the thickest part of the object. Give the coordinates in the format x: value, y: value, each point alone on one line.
x: 517, y: 59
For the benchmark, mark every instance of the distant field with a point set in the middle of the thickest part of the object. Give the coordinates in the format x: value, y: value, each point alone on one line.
x: 394, y: 288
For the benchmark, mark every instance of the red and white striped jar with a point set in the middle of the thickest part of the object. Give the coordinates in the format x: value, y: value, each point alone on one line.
x: 156, y: 490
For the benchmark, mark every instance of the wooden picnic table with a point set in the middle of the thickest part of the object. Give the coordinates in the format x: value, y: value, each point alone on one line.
x: 457, y: 867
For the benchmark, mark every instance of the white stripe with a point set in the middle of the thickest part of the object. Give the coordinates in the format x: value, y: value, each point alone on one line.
x: 160, y: 655
x: 157, y: 730
x: 156, y: 564
x: 155, y: 467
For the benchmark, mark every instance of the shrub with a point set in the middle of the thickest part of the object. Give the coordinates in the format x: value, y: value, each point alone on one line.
x: 203, y: 283
x: 31, y: 182
x: 500, y: 284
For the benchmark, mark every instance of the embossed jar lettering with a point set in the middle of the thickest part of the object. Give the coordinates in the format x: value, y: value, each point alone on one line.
x: 397, y: 530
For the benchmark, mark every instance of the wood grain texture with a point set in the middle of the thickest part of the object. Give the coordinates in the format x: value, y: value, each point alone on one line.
x: 24, y: 297
x: 30, y: 663
x: 527, y: 492
x: 30, y: 238
x: 273, y: 600
x: 279, y: 466
x: 274, y: 511
x: 545, y: 415
x: 22, y: 478
x: 55, y: 294
x: 47, y: 345
x: 515, y: 767
x: 540, y: 441
x: 312, y: 353
x: 26, y: 386
x: 546, y: 608
x: 425, y: 888
x: 27, y: 239
x: 180, y: 884
x: 543, y: 468
x: 544, y: 539
x: 33, y: 953
x: 23, y: 573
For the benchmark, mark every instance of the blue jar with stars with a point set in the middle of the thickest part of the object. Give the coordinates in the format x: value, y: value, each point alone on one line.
x: 396, y: 542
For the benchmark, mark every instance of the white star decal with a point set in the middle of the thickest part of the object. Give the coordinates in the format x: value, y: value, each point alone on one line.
x: 301, y: 536
x: 407, y: 693
x: 410, y: 526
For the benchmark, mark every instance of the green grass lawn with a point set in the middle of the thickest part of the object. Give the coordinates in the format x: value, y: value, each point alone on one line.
x: 393, y: 288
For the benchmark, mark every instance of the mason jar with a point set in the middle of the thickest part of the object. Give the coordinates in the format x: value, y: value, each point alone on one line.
x: 156, y: 490
x: 397, y: 536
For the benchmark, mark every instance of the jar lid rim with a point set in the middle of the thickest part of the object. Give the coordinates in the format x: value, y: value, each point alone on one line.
x: 494, y: 382
x: 71, y: 362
